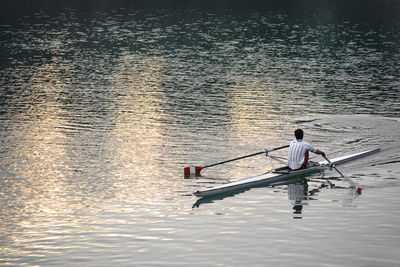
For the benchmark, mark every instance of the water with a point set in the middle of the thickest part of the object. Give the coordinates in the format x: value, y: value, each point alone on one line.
x: 103, y: 106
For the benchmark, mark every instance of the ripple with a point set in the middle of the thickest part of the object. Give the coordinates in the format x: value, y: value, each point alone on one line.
x: 100, y: 109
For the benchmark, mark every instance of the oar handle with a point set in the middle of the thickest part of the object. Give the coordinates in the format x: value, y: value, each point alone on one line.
x: 333, y: 165
x: 328, y: 160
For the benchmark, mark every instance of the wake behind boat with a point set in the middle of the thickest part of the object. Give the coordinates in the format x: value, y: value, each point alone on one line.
x: 281, y: 174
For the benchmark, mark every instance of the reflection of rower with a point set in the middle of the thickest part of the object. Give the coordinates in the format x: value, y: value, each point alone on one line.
x: 297, y: 193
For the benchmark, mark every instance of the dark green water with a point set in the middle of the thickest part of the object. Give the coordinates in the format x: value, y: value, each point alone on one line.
x: 104, y: 103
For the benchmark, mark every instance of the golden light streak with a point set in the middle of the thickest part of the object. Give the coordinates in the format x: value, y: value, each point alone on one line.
x: 138, y: 136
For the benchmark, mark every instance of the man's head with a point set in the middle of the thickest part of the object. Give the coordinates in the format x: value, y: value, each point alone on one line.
x: 299, y: 134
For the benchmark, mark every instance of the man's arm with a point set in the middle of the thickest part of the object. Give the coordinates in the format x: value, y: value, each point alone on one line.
x: 319, y: 152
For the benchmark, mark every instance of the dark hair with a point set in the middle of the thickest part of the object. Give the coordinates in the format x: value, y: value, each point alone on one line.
x: 299, y: 134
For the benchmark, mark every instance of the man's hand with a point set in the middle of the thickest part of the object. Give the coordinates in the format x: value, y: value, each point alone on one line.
x: 320, y: 153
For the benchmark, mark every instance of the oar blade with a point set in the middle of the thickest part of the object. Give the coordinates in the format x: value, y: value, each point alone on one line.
x: 192, y: 170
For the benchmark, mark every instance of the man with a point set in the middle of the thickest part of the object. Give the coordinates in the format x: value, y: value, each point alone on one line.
x: 298, y: 152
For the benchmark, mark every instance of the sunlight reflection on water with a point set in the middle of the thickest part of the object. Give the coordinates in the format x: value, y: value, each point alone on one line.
x: 99, y: 116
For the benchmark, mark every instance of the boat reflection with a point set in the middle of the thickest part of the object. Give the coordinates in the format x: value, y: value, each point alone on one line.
x: 298, y: 190
x: 213, y: 198
x: 295, y: 192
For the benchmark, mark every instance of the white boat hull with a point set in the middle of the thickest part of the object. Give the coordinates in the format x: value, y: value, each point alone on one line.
x: 280, y: 175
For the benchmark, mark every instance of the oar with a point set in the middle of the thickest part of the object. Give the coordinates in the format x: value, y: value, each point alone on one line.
x: 196, y: 169
x: 353, y: 184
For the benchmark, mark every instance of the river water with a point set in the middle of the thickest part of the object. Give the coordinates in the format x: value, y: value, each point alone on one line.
x: 103, y: 105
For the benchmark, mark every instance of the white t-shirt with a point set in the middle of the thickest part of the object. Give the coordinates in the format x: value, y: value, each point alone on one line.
x: 297, y: 152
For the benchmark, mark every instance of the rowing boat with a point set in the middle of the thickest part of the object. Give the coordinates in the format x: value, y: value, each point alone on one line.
x: 279, y: 175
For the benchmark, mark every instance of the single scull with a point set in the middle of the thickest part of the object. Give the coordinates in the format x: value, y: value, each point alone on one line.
x: 279, y: 175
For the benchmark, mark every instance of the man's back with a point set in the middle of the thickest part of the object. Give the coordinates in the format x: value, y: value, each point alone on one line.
x: 298, y: 153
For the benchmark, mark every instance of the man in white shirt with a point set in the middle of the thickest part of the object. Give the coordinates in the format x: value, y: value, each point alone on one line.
x: 298, y: 152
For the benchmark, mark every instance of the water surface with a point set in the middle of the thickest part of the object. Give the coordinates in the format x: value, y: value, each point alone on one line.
x: 102, y: 107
